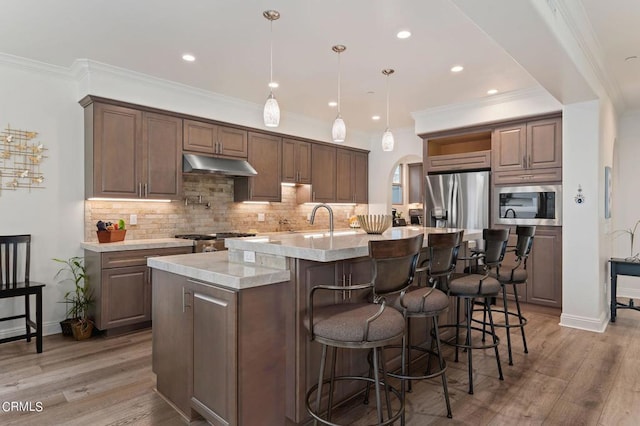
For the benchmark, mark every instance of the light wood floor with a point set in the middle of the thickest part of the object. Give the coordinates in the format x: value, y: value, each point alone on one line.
x: 569, y: 377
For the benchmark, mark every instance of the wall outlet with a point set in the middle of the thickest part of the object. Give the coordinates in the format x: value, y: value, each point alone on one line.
x: 260, y: 217
x: 250, y: 256
x: 133, y: 219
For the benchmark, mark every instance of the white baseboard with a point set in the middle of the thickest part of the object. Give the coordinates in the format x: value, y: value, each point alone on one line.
x: 51, y: 327
x: 597, y: 325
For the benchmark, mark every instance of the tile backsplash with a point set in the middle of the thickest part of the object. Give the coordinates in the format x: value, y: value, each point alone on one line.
x: 213, y: 211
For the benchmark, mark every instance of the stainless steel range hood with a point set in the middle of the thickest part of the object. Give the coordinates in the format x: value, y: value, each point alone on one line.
x: 192, y: 163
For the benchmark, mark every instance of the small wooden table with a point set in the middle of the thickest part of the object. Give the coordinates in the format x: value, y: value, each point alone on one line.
x: 622, y: 267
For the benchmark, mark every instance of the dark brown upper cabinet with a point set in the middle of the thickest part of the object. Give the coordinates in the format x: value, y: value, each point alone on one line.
x: 323, y: 173
x: 527, y: 146
x: 265, y: 155
x: 351, y: 176
x: 131, y: 153
x: 296, y: 161
x: 208, y: 138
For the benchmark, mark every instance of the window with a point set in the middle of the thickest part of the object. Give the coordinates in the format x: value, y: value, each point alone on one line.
x: 396, y: 187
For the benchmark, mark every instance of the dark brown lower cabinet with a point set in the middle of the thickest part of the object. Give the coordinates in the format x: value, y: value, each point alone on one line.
x: 218, y: 353
x: 544, y: 286
x: 121, y: 287
x: 544, y: 267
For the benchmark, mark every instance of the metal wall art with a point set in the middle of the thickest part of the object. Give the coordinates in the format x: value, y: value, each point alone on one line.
x: 20, y: 158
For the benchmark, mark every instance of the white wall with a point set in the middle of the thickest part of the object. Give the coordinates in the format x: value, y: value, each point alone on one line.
x: 581, y: 289
x: 382, y: 164
x: 626, y: 199
x: 43, y: 99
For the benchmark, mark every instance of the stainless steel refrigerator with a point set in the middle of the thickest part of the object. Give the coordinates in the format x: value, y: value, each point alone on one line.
x: 457, y: 200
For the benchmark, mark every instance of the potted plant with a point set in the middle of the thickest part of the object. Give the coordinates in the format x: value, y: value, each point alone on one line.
x: 632, y: 233
x: 78, y: 300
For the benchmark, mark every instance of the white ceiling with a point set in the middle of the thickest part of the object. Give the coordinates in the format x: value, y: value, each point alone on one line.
x: 230, y: 40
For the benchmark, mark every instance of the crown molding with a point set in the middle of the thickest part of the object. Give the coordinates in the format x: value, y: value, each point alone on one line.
x: 515, y: 95
x: 25, y: 64
x: 576, y: 19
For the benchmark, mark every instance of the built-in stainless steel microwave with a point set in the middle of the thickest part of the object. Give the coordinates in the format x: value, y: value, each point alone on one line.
x: 528, y: 205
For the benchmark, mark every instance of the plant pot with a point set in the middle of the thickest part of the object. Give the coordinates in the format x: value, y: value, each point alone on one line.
x: 82, y: 330
x: 65, y: 325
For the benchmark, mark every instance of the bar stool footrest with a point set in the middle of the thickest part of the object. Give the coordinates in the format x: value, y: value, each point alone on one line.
x: 502, y: 324
x: 317, y: 416
x: 462, y: 345
x: 430, y: 352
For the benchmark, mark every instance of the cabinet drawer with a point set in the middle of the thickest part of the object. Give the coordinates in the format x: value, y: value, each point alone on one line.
x: 529, y: 176
x: 464, y: 161
x: 119, y: 259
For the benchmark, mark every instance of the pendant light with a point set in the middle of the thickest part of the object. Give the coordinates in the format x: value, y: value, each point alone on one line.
x: 339, y: 130
x: 271, y: 114
x: 387, y: 137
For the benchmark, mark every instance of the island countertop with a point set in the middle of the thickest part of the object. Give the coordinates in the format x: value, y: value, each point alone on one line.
x: 214, y: 268
x: 326, y: 247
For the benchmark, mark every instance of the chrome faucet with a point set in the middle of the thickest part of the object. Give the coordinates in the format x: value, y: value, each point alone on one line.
x: 328, y: 207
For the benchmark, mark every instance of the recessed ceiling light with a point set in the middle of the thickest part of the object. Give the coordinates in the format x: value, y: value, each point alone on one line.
x: 273, y: 85
x: 492, y: 91
x: 375, y: 117
x: 457, y: 68
x: 188, y: 57
x: 403, y: 34
x: 333, y: 104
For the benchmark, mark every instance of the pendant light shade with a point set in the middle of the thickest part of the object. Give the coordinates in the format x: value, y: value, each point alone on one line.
x: 271, y: 113
x: 339, y: 129
x: 387, y: 137
x: 387, y: 140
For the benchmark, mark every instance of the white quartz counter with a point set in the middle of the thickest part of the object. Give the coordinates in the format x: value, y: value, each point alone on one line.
x: 323, y: 247
x: 215, y: 268
x: 137, y: 244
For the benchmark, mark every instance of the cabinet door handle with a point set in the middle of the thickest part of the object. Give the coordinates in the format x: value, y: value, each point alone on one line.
x: 524, y: 161
x: 343, y: 292
x: 529, y: 160
x: 349, y: 283
x: 221, y: 147
x: 139, y: 189
x: 184, y: 297
x: 146, y: 190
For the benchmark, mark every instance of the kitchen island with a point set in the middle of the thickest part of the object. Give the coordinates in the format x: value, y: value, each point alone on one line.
x: 229, y: 342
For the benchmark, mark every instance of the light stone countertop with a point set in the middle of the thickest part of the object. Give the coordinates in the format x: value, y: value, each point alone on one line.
x: 215, y: 268
x: 322, y: 247
x: 136, y: 244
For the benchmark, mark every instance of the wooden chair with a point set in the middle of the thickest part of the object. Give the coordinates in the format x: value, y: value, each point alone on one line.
x: 14, y: 282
